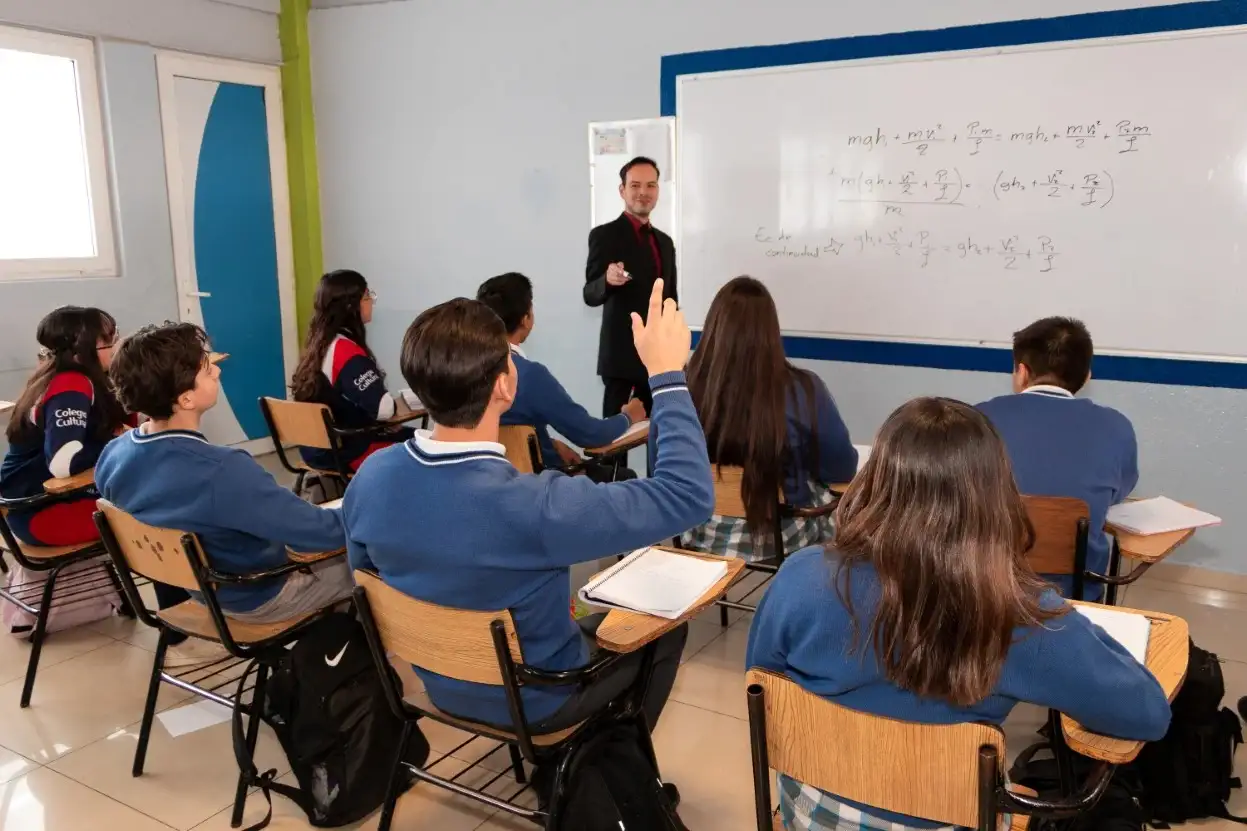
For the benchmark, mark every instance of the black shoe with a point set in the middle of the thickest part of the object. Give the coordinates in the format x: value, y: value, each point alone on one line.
x: 673, y: 794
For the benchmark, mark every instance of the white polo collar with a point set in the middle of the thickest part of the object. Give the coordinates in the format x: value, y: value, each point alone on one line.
x: 516, y: 349
x: 1050, y: 390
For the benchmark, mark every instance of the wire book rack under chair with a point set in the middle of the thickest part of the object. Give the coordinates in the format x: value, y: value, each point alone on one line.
x: 177, y: 559
x: 75, y: 574
x: 482, y: 648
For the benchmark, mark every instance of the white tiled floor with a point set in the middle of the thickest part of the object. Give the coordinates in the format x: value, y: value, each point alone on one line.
x: 65, y: 761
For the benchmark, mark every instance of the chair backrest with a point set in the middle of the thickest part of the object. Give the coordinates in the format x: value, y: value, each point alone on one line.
x: 297, y: 422
x: 520, y: 441
x: 456, y: 643
x: 156, y: 553
x: 728, y: 500
x: 922, y: 770
x: 1056, y: 532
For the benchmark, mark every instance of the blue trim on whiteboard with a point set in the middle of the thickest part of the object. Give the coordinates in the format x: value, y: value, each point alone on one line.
x: 1208, y: 14
x: 1171, y: 371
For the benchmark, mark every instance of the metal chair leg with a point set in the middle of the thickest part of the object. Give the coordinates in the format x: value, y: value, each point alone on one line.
x: 253, y: 734
x: 517, y: 765
x: 37, y: 636
x: 723, y: 616
x: 396, y: 772
x: 149, y: 708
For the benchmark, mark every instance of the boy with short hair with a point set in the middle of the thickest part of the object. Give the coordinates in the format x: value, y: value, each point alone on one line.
x: 1060, y: 445
x: 166, y: 474
x: 489, y: 538
x: 540, y: 400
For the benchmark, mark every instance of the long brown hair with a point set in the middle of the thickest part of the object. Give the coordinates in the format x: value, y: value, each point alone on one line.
x: 70, y: 338
x: 335, y: 311
x: 740, y: 382
x: 937, y: 514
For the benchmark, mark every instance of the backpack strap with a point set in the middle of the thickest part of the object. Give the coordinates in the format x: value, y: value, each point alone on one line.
x: 266, y: 781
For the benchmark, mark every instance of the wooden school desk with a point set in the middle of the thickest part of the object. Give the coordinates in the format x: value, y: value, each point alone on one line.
x: 617, y: 451
x: 625, y: 631
x: 404, y: 414
x: 6, y: 406
x: 217, y: 357
x: 1147, y: 551
x: 1167, y: 654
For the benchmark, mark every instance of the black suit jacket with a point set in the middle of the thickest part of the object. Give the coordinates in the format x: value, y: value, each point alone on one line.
x: 618, y: 242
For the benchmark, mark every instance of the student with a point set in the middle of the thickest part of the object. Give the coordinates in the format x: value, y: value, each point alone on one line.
x: 767, y: 416
x: 62, y: 420
x: 490, y: 538
x: 1060, y: 445
x: 167, y: 474
x: 540, y: 400
x: 338, y: 369
x: 926, y: 611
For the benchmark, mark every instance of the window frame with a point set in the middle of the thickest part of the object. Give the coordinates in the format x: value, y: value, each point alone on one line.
x: 83, y: 53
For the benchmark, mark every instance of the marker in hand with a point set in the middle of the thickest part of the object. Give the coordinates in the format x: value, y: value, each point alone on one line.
x: 617, y: 275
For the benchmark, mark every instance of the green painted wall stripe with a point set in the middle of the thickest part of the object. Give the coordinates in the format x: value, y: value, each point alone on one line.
x: 296, y: 91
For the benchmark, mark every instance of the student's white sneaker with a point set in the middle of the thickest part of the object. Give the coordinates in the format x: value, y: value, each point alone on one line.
x: 193, y: 652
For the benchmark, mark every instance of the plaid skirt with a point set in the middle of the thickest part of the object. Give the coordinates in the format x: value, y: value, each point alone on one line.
x: 806, y: 808
x: 728, y: 536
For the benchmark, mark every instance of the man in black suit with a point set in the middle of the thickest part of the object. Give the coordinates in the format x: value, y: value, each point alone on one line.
x: 626, y: 256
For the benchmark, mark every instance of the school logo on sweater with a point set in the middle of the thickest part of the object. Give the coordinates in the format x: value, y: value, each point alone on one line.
x: 71, y: 417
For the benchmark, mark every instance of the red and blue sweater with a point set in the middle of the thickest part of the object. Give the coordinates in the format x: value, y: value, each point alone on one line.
x: 358, y: 399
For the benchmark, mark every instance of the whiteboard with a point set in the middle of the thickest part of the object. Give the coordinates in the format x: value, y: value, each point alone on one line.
x: 954, y: 198
x: 612, y: 144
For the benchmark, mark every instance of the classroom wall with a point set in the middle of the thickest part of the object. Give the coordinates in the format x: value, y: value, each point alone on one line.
x: 452, y: 142
x: 145, y: 290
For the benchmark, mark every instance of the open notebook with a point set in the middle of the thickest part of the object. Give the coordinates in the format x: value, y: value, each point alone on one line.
x: 332, y: 503
x: 658, y: 583
x: 1158, y: 515
x: 1127, y: 628
x: 635, y: 430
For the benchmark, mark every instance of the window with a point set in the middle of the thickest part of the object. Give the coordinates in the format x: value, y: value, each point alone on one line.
x: 55, y: 218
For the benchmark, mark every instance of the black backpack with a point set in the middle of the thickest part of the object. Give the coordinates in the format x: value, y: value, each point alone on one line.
x: 1189, y: 773
x: 325, y: 702
x: 613, y: 786
x: 1119, y: 809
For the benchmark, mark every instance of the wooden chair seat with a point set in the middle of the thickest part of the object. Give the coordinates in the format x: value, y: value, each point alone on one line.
x: 420, y: 699
x: 55, y: 552
x: 193, y: 618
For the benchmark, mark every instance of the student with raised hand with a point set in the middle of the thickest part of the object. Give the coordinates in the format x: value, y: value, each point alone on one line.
x: 63, y: 418
x: 166, y: 474
x: 925, y: 609
x: 485, y: 537
x: 765, y: 415
x: 540, y: 400
x: 338, y: 369
x: 1061, y: 445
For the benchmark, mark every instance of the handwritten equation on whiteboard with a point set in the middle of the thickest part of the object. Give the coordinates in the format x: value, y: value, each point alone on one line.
x: 948, y: 187
x: 1125, y: 136
x: 1037, y: 253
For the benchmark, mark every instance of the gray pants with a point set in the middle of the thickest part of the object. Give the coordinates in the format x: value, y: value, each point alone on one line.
x: 304, y: 593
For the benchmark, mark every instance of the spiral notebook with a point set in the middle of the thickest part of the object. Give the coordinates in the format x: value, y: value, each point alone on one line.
x: 659, y: 583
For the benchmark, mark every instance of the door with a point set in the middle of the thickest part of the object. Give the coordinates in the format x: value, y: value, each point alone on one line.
x: 225, y: 158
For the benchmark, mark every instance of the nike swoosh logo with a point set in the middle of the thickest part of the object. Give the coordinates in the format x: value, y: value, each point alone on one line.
x: 333, y: 662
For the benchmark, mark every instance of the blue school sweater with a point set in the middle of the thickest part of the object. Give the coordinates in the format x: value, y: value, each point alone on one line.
x: 541, y: 403
x: 69, y: 442
x: 454, y: 523
x: 803, y: 630
x: 1060, y: 445
x: 244, y: 519
x: 837, y: 457
x: 357, y: 397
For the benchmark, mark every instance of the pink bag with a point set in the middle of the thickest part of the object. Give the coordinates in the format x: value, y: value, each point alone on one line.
x: 81, y: 606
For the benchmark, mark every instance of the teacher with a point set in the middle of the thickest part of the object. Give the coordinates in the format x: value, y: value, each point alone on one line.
x: 626, y: 256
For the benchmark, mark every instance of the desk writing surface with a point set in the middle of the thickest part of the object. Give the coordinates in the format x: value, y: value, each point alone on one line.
x: 1151, y: 548
x: 634, y: 437
x: 1167, y: 655
x: 6, y: 406
x: 70, y: 483
x: 627, y: 631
